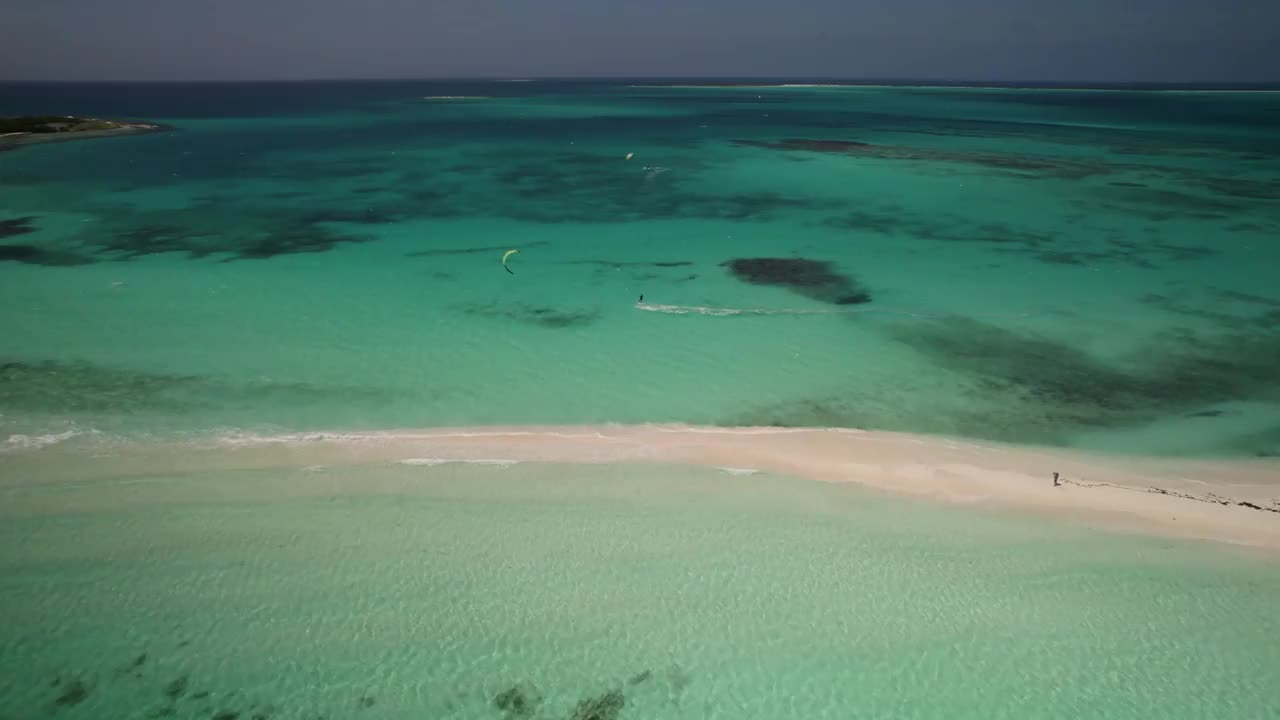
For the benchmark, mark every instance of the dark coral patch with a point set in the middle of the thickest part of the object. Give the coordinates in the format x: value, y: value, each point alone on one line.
x: 295, y: 239
x: 801, y: 413
x: 81, y: 387
x: 17, y: 226
x: 601, y: 707
x: 155, y: 238
x: 19, y: 253
x: 1038, y: 245
x: 32, y: 255
x: 1244, y: 188
x: 596, y: 189
x: 1248, y: 298
x: 894, y: 222
x: 831, y: 146
x: 74, y: 693
x: 1036, y: 389
x: 533, y: 315
x: 811, y: 278
x: 550, y: 317
x: 255, y: 234
x: 1260, y: 317
x: 365, y: 216
x: 134, y: 667
x: 177, y: 687
x: 1023, y: 165
x: 517, y: 701
x: 1069, y: 387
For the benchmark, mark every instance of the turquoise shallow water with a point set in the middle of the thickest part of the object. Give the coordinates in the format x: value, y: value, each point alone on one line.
x: 1077, y: 268
x: 1086, y: 269
x: 404, y: 592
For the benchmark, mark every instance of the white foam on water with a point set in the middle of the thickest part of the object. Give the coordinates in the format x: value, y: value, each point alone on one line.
x: 240, y: 439
x: 738, y: 471
x: 432, y: 462
x: 16, y: 443
x: 732, y: 311
x: 250, y: 439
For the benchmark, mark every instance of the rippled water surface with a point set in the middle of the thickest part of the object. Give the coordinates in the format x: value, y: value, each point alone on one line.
x: 1081, y: 268
x: 472, y: 591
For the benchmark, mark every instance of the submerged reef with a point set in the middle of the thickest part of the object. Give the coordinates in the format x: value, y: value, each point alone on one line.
x: 518, y: 701
x: 33, y: 255
x: 1022, y: 165
x: 82, y: 387
x: 1040, y: 245
x: 539, y: 315
x: 1029, y: 388
x: 606, y: 706
x: 811, y: 278
x: 17, y: 226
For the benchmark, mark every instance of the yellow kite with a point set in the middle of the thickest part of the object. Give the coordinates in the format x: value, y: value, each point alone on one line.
x: 506, y: 255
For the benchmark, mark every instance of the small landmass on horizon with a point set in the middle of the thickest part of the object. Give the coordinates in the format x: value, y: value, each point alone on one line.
x: 31, y: 129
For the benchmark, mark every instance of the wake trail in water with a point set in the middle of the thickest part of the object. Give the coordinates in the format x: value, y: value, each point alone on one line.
x: 730, y: 311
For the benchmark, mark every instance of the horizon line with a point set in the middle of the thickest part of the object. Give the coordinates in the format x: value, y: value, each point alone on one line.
x: 744, y: 79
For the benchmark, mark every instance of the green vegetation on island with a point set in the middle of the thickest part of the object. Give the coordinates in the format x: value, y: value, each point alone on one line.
x: 53, y: 123
x: 15, y: 131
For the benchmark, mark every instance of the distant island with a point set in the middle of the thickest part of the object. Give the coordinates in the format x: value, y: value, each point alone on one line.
x: 30, y: 129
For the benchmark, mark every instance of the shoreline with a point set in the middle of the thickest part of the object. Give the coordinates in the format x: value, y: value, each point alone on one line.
x: 13, y: 141
x: 1229, y: 501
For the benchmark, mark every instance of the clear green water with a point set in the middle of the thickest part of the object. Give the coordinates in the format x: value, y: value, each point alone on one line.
x: 1072, y: 268
x: 1091, y: 269
x: 692, y: 594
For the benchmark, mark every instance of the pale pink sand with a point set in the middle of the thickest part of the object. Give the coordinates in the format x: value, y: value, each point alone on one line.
x: 1105, y: 491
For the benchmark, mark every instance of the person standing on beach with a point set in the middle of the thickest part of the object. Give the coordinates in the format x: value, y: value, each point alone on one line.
x: 1055, y: 479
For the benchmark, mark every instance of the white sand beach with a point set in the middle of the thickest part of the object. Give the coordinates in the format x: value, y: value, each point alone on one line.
x: 1232, y: 501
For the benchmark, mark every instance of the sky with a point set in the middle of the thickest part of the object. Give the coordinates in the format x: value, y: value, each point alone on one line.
x: 997, y: 40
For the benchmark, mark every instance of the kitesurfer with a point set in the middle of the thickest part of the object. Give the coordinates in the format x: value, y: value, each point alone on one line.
x: 506, y: 255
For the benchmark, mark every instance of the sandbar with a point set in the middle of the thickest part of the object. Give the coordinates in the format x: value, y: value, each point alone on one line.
x: 1229, y: 500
